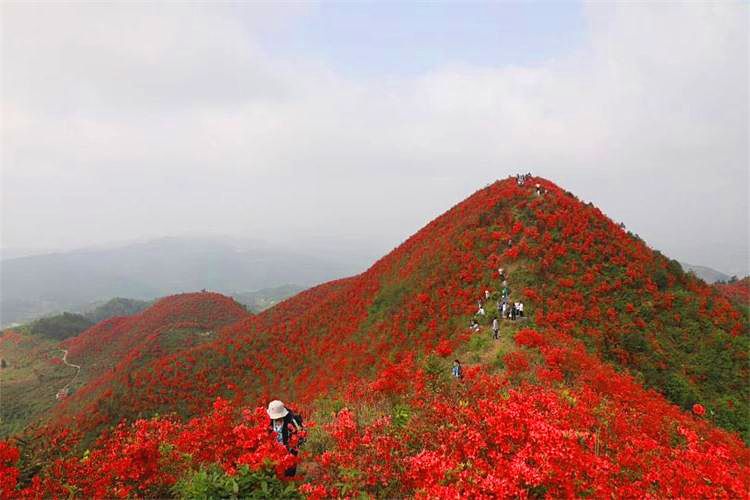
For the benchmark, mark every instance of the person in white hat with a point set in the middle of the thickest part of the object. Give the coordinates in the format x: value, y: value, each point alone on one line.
x: 285, y: 423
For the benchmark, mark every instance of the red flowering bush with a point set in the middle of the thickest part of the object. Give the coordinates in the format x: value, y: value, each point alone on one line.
x: 550, y: 414
x: 147, y: 457
x: 9, y: 472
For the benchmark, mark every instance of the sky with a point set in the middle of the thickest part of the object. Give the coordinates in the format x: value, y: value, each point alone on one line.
x: 350, y: 125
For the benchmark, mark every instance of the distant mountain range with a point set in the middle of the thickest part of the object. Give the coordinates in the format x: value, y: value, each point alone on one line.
x: 39, y: 285
x: 705, y: 273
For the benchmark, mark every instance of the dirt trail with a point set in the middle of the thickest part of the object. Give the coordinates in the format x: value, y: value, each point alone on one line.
x: 77, y: 367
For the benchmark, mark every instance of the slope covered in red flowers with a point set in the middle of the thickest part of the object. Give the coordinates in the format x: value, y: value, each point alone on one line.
x: 736, y: 291
x: 109, y: 351
x: 616, y: 384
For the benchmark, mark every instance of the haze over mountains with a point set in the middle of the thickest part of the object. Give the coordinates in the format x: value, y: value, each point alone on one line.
x: 255, y: 273
x: 45, y: 284
x: 626, y: 376
x: 706, y: 273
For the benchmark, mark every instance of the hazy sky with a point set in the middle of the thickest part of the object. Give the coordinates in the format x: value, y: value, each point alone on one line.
x: 354, y: 124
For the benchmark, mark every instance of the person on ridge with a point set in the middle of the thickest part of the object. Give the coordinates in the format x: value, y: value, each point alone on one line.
x: 285, y: 424
x: 520, y: 309
x: 457, y: 371
x: 495, y: 329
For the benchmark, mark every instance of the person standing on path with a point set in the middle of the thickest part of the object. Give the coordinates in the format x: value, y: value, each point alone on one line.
x: 457, y: 371
x: 495, y: 329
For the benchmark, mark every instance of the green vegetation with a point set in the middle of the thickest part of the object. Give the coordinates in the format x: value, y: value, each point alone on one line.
x: 212, y: 482
x: 30, y: 379
x: 116, y: 307
x: 60, y: 327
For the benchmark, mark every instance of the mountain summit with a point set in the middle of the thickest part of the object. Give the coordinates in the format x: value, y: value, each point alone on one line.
x: 614, y: 381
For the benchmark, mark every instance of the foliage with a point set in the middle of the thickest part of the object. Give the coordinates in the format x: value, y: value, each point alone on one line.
x: 118, y: 306
x: 60, y: 327
x: 596, y: 396
x: 213, y: 482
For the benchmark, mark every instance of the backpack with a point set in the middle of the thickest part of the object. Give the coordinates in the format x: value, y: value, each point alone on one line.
x: 297, y: 418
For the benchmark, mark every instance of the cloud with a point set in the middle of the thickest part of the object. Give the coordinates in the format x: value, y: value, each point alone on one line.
x: 125, y: 120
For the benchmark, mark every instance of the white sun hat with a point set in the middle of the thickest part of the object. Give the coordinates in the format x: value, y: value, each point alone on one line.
x: 276, y: 409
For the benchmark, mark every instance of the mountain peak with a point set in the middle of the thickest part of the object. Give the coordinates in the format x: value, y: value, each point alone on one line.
x: 612, y: 331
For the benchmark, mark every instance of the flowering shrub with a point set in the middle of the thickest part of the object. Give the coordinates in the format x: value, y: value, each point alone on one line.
x: 147, y: 457
x: 9, y: 472
x: 555, y: 416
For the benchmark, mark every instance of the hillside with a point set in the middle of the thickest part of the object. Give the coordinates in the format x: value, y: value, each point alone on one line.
x: 32, y: 373
x: 618, y: 347
x: 118, y: 306
x: 33, y: 353
x: 737, y: 291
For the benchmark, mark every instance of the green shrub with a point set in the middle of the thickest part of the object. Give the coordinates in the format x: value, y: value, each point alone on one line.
x: 401, y: 415
x: 60, y: 327
x: 213, y: 482
x: 661, y: 278
x: 437, y: 371
x: 679, y: 390
x: 479, y: 342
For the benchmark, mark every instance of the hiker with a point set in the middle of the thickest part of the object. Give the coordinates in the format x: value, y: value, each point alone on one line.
x: 513, y: 312
x: 501, y: 273
x: 486, y: 295
x: 457, y: 371
x: 495, y: 328
x: 520, y: 308
x: 474, y: 325
x: 505, y: 309
x: 538, y: 189
x: 506, y: 292
x: 480, y: 312
x: 285, y: 424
